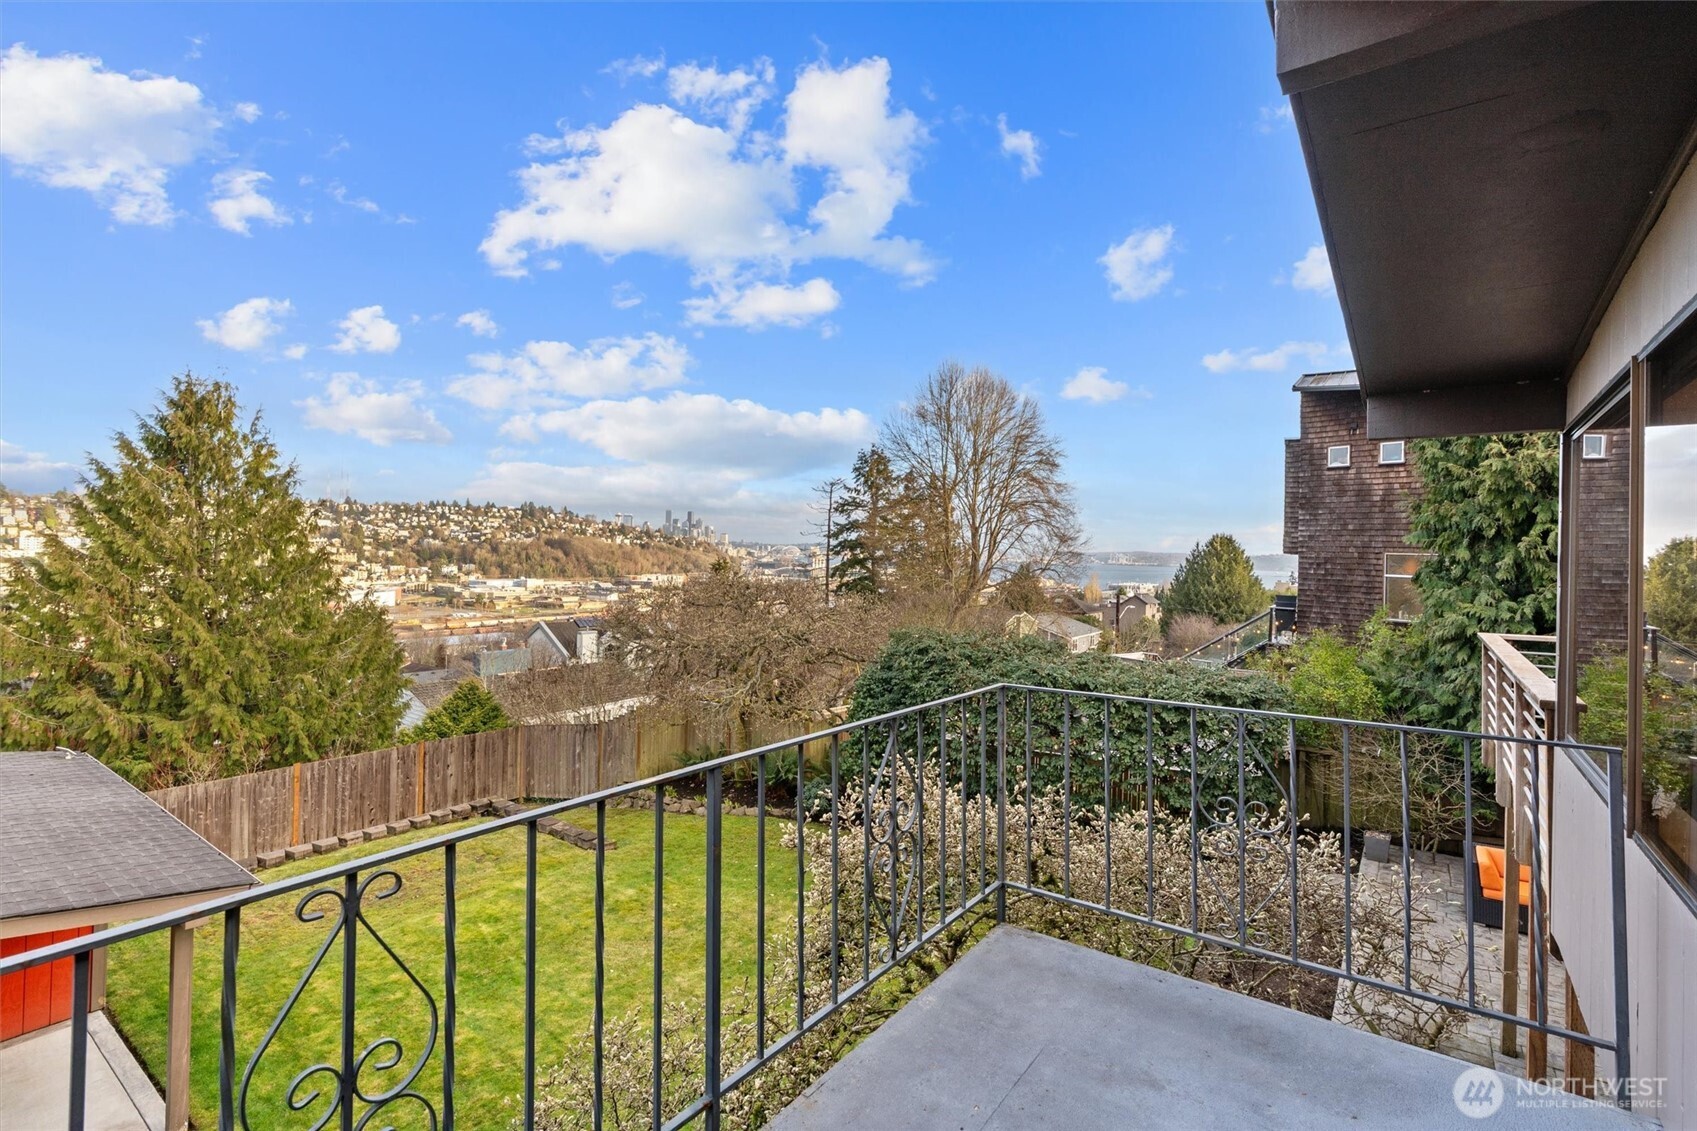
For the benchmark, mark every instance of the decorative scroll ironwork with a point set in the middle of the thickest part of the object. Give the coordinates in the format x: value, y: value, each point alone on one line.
x: 895, y: 835
x: 343, y: 1083
x: 1260, y: 835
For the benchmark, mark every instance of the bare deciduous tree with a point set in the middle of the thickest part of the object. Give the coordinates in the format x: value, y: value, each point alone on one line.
x: 984, y: 480
x: 746, y: 652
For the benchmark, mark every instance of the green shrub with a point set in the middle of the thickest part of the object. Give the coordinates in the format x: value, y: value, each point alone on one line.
x: 921, y: 666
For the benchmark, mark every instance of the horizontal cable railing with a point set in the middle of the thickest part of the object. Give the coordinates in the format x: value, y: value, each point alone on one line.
x: 1177, y: 821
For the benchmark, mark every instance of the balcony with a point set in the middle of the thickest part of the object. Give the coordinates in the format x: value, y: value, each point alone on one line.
x: 908, y: 895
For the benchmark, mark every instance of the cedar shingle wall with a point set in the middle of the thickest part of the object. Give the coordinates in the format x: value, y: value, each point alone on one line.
x: 1342, y: 521
x: 1601, y: 511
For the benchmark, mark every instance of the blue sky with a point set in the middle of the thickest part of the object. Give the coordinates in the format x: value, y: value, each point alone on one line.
x: 629, y: 258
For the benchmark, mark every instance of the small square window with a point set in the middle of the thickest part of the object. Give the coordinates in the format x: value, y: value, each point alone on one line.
x: 1594, y: 445
x: 1337, y: 455
x: 1391, y: 451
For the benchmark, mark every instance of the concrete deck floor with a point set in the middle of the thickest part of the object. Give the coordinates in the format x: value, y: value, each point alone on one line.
x: 35, y: 1089
x: 1031, y: 1032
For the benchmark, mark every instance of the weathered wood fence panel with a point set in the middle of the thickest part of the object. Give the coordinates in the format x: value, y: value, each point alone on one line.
x: 277, y: 809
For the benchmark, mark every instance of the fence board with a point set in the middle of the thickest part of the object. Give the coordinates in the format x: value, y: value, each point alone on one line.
x: 254, y: 813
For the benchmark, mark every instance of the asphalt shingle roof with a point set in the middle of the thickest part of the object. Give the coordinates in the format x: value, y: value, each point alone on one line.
x: 76, y: 836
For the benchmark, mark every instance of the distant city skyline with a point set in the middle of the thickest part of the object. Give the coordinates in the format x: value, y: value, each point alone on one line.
x: 623, y: 259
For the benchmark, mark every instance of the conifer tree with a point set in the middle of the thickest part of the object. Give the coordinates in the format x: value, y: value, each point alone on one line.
x: 192, y: 630
x: 1216, y: 579
x: 469, y: 710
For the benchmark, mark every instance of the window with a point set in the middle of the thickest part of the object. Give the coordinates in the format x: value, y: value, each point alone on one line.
x: 1391, y: 451
x: 1337, y: 455
x: 1666, y: 754
x: 1402, y: 596
x: 1594, y: 445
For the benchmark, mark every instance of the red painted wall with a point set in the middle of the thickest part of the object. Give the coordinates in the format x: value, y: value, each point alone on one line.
x: 40, y: 996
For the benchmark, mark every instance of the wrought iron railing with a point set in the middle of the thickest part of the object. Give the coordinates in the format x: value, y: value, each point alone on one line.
x: 976, y: 807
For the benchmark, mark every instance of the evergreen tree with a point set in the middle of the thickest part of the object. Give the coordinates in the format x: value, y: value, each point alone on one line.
x: 1216, y: 579
x: 194, y: 630
x: 469, y: 710
x: 1488, y: 516
x: 1670, y: 590
x: 865, y: 526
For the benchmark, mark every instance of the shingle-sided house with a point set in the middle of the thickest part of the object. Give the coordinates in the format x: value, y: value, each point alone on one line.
x: 1346, y: 511
x: 569, y: 640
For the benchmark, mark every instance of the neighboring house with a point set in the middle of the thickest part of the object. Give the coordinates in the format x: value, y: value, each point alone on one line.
x: 505, y: 661
x: 570, y: 640
x: 432, y: 685
x: 1346, y: 511
x: 1075, y: 634
x: 413, y: 711
x: 1121, y: 613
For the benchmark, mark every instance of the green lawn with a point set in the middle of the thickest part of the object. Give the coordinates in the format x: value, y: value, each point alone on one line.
x: 489, y: 1050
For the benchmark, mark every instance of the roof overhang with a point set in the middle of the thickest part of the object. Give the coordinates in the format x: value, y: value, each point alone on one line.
x: 1484, y: 174
x: 20, y: 925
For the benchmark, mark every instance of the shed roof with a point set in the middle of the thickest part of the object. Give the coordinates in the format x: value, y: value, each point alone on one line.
x: 77, y: 836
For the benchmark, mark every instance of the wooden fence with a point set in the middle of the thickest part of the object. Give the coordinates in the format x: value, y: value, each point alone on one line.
x: 276, y: 809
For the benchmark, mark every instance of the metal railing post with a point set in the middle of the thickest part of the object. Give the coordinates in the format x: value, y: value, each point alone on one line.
x: 1617, y: 883
x: 715, y: 801
x: 1001, y: 805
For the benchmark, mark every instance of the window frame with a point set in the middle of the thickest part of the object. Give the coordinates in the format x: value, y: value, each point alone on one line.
x: 1401, y: 452
x: 1585, y: 451
x: 1386, y: 577
x: 1333, y: 449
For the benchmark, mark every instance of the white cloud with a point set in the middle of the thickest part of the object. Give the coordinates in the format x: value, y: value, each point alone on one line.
x: 1022, y: 145
x: 725, y: 199
x: 1274, y: 360
x: 247, y: 326
x: 340, y: 194
x: 625, y: 296
x: 635, y: 67
x: 652, y: 181
x: 705, y: 431
x: 1273, y: 118
x: 731, y: 96
x: 1137, y: 266
x: 479, y: 322
x: 248, y: 111
x: 1091, y: 384
x: 296, y: 351
x: 543, y: 373
x: 366, y: 331
x: 1313, y: 272
x: 759, y: 305
x: 71, y: 123
x: 354, y: 405
x: 23, y: 470
x: 238, y: 201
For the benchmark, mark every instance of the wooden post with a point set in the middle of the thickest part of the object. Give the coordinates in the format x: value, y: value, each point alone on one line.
x: 420, y: 775
x: 1580, y: 1065
x: 1511, y: 911
x: 97, y: 976
x: 177, y: 1041
x: 295, y: 819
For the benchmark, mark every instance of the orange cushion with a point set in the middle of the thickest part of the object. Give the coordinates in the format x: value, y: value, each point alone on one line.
x: 1491, y: 861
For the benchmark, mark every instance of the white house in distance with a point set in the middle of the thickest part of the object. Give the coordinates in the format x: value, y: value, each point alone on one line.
x: 570, y: 640
x: 1075, y: 634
